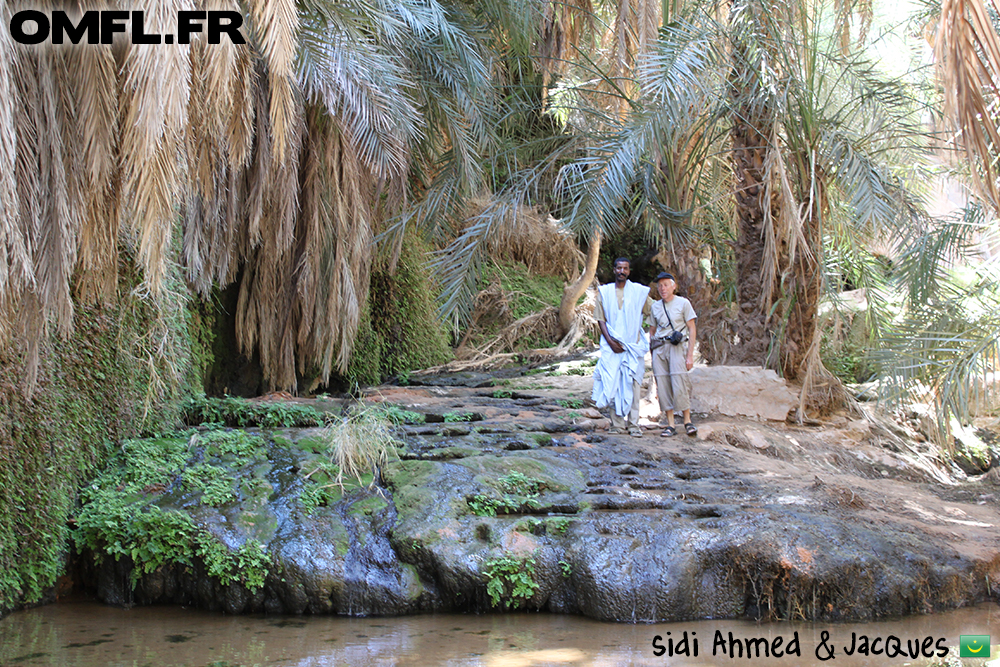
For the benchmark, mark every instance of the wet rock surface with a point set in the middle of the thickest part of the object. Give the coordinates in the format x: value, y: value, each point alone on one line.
x: 516, y: 497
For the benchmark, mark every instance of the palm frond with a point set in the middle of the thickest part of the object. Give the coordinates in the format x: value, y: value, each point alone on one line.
x: 156, y: 94
x: 15, y: 262
x: 95, y: 75
x: 967, y: 50
x: 276, y: 24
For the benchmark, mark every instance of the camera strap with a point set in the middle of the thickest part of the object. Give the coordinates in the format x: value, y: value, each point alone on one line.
x: 664, y: 307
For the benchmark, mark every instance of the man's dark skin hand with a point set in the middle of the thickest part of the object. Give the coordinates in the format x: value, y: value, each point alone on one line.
x: 622, y: 271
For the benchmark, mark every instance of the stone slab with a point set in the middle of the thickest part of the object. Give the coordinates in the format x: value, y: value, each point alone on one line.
x: 741, y: 391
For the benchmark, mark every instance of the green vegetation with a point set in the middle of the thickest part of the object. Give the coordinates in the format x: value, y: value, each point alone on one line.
x: 320, y: 493
x: 518, y: 492
x: 527, y: 292
x: 120, y: 517
x: 516, y: 482
x: 567, y: 569
x: 487, y: 505
x: 234, y: 411
x: 453, y: 417
x: 399, y: 328
x: 502, y: 393
x: 122, y: 372
x: 510, y: 580
x: 573, y: 403
x: 558, y: 525
x: 397, y: 415
x: 213, y: 481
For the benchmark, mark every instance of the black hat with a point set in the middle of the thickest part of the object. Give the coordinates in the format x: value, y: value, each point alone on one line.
x: 663, y: 274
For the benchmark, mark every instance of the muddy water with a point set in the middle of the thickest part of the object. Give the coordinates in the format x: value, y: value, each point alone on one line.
x: 84, y: 633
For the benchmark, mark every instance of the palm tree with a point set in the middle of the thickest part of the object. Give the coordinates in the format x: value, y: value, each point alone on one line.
x: 758, y: 117
x: 284, y: 158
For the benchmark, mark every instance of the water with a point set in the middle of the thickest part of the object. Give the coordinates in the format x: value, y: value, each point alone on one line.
x: 84, y: 633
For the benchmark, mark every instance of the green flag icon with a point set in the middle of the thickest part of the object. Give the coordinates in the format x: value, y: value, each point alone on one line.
x: 974, y: 646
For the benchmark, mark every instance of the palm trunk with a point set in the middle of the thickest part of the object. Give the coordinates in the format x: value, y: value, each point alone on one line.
x: 750, y: 135
x: 777, y: 252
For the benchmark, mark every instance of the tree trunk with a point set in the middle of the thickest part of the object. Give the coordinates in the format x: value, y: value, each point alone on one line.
x: 573, y: 291
x: 750, y: 135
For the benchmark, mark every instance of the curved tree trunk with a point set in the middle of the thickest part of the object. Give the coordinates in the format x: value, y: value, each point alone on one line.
x: 573, y: 291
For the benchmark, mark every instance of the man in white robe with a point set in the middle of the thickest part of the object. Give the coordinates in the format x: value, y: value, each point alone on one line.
x: 619, y: 312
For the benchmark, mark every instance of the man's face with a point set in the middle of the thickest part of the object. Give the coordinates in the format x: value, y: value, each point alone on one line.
x: 622, y: 269
x: 667, y: 287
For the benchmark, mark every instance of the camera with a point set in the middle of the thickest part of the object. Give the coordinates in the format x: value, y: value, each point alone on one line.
x: 676, y: 338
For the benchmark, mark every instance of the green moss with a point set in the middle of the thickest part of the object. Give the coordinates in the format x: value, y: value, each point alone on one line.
x: 234, y: 411
x: 124, y: 370
x: 543, y: 439
x: 449, y: 453
x: 314, y: 444
x: 408, y: 479
x: 399, y: 328
x: 369, y: 506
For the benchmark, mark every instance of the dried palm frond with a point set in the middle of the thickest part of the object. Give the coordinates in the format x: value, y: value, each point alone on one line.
x: 276, y: 24
x: 94, y: 73
x: 266, y: 310
x: 333, y: 264
x: 967, y: 51
x: 155, y: 99
x: 785, y: 236
x: 54, y: 239
x: 15, y: 262
x: 533, y: 238
x: 210, y: 250
x: 564, y: 27
x: 241, y: 124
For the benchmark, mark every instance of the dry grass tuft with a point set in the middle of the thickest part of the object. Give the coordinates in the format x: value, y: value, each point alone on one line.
x: 360, y: 443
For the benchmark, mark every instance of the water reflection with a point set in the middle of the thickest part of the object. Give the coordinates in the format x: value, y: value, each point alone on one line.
x: 85, y: 633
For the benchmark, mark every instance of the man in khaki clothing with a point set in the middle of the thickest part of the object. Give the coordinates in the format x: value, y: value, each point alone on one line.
x: 672, y: 336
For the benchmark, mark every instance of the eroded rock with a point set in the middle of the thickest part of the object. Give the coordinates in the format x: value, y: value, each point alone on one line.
x: 520, y: 511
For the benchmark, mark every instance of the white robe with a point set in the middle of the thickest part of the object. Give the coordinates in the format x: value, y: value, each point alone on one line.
x: 614, y: 373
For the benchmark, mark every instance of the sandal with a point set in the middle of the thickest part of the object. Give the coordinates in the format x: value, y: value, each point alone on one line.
x: 635, y: 431
x: 690, y: 429
x: 616, y: 431
x: 668, y: 432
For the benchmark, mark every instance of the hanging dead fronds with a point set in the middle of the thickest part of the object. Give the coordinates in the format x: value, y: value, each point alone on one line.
x: 16, y: 271
x: 219, y: 142
x: 266, y: 304
x: 276, y: 23
x: 967, y: 50
x: 633, y: 32
x: 564, y: 27
x: 334, y: 266
x: 156, y: 92
x: 94, y: 73
x: 533, y: 238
